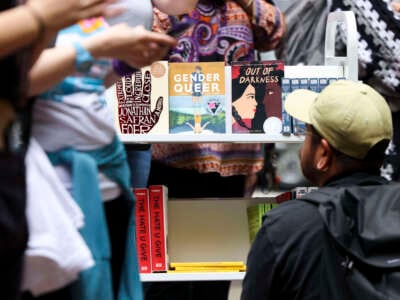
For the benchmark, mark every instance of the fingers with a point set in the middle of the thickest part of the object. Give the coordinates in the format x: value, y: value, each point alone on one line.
x: 138, y: 84
x: 59, y: 14
x: 128, y: 85
x: 157, y: 110
x: 146, y: 94
x: 162, y: 39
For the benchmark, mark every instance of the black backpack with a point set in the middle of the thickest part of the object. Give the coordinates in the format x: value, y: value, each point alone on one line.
x: 362, y: 254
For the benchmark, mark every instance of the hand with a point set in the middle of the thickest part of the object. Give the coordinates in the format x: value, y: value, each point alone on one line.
x: 59, y: 14
x: 136, y: 46
x: 134, y: 104
x: 396, y: 7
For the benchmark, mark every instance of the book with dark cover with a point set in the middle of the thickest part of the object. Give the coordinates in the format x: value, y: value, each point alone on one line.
x: 257, y: 97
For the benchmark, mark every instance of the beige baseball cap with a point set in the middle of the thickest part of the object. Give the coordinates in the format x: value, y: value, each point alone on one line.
x: 351, y: 116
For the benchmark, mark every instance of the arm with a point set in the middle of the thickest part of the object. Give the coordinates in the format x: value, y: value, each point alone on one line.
x: 136, y: 46
x: 260, y: 268
x: 22, y: 29
x: 175, y: 7
x: 269, y: 25
x: 37, y: 20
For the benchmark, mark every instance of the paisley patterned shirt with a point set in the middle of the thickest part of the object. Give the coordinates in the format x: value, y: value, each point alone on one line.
x: 219, y: 33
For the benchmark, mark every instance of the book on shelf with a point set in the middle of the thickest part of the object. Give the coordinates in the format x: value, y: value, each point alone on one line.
x: 322, y: 83
x: 158, y: 196
x: 300, y: 191
x: 299, y: 127
x: 197, y: 98
x: 143, y: 229
x: 284, y: 196
x: 257, y: 97
x: 286, y: 119
x: 236, y: 266
x: 207, y: 264
x: 255, y: 215
x: 140, y: 101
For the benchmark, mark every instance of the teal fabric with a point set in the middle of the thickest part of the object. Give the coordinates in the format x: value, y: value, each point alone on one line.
x: 96, y: 282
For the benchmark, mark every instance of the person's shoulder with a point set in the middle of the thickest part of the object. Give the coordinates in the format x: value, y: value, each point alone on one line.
x: 294, y: 216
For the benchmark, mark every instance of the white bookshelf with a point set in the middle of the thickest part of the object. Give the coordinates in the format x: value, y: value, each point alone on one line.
x: 228, y: 137
x: 210, y: 230
x: 206, y: 276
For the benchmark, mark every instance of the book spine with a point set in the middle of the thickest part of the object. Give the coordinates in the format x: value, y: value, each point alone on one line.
x: 286, y: 120
x: 254, y: 216
x: 158, y: 228
x: 322, y: 82
x: 143, y: 229
x: 299, y: 127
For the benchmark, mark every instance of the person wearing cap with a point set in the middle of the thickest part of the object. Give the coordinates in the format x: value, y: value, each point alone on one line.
x: 349, y: 126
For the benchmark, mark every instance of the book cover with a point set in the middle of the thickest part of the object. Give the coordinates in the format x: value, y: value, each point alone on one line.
x: 299, y: 192
x: 255, y: 213
x: 257, y: 97
x: 197, y: 100
x: 282, y: 197
x: 140, y: 101
x: 158, y: 195
x: 143, y: 229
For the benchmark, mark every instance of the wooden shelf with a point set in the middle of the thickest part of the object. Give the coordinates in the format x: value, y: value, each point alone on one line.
x: 203, y: 276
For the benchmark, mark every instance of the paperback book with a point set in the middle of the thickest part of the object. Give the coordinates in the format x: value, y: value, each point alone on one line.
x: 197, y: 100
x: 255, y: 215
x: 143, y: 229
x: 234, y: 266
x: 140, y: 101
x: 257, y: 97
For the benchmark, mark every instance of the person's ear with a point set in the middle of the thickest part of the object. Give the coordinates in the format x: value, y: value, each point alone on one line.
x: 324, y: 155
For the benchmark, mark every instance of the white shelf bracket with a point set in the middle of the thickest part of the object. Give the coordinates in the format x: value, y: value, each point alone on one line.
x: 350, y: 61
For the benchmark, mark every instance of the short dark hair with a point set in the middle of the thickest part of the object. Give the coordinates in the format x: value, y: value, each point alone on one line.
x: 371, y: 163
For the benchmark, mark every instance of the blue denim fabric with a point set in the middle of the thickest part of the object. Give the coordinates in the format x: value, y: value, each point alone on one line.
x: 139, y: 163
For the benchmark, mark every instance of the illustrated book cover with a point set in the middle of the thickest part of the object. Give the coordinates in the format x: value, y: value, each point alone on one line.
x: 257, y: 97
x: 143, y: 229
x: 140, y: 101
x: 158, y: 196
x: 197, y: 99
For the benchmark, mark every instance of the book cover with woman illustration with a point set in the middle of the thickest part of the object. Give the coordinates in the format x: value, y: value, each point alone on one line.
x: 197, y: 97
x: 257, y: 97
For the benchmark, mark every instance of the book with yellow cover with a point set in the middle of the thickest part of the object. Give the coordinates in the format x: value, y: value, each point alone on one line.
x: 206, y: 271
x: 197, y: 98
x: 211, y: 269
x: 207, y: 264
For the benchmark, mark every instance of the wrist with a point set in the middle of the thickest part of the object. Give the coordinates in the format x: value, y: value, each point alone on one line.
x: 83, y: 58
x: 38, y: 20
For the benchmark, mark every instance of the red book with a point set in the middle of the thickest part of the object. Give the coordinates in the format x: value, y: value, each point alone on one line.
x: 143, y: 229
x: 158, y: 196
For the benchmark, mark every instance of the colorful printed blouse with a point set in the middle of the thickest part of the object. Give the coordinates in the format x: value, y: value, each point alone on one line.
x: 219, y: 33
